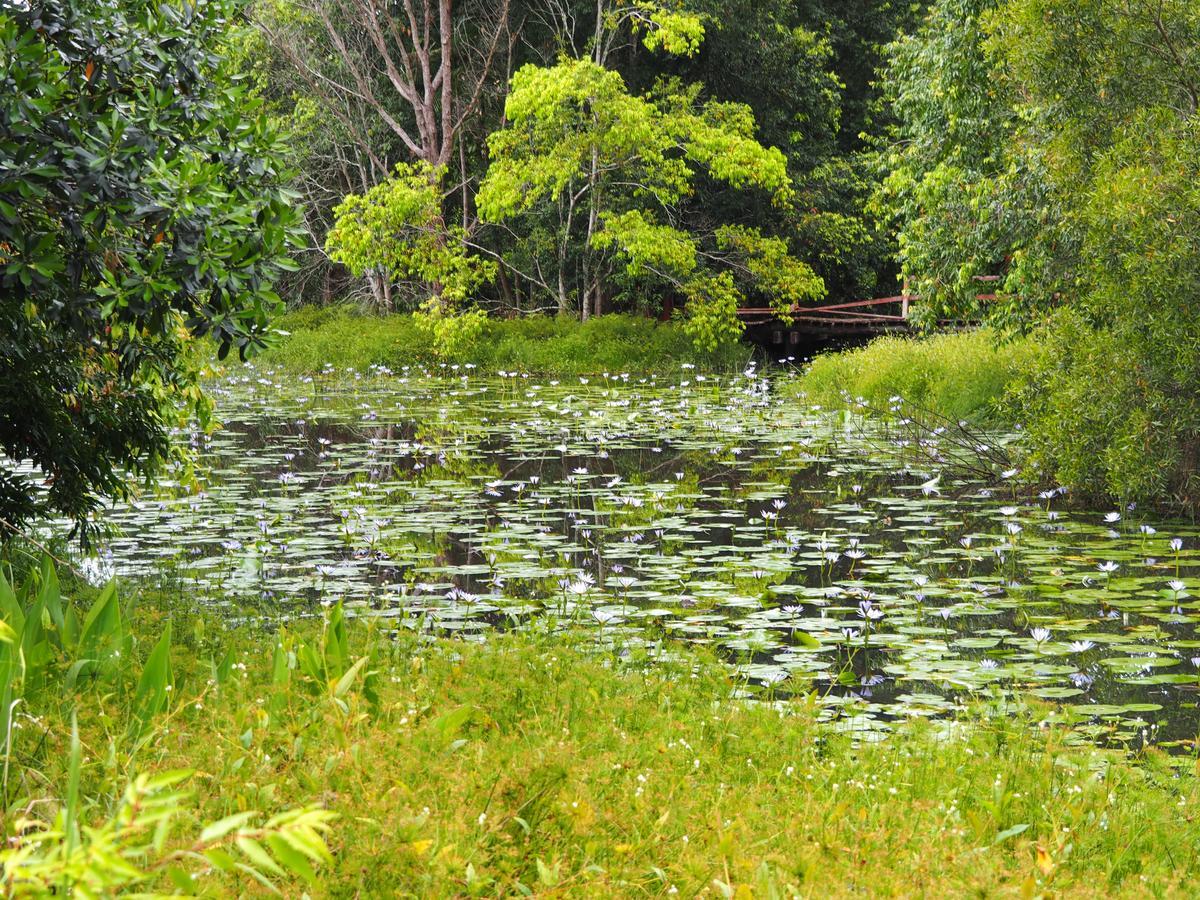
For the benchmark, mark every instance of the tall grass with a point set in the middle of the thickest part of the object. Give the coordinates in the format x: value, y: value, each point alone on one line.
x: 530, y: 765
x: 960, y: 375
x: 553, y: 346
x: 67, y: 836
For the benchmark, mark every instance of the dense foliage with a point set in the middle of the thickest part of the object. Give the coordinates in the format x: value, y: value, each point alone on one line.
x: 141, y: 206
x: 1053, y: 146
x: 794, y: 78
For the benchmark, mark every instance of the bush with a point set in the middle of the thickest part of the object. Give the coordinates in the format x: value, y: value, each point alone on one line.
x: 1103, y: 417
x: 336, y: 336
x: 1113, y: 408
x: 963, y: 375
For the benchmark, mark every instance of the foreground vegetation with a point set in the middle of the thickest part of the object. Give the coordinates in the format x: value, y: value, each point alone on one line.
x: 528, y: 765
x: 343, y: 338
x: 961, y: 375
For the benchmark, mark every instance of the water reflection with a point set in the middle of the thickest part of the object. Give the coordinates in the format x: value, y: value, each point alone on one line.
x: 811, y: 549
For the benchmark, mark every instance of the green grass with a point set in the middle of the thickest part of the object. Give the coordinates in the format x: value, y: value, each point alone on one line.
x: 552, y: 346
x: 531, y: 766
x: 961, y: 375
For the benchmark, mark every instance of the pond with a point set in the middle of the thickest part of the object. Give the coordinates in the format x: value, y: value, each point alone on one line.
x: 896, y: 573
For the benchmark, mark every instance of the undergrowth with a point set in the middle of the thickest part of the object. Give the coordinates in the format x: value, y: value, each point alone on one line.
x: 961, y: 375
x: 530, y: 765
x: 339, y: 337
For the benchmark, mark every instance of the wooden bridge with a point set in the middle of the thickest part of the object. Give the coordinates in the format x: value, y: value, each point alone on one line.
x: 850, y: 319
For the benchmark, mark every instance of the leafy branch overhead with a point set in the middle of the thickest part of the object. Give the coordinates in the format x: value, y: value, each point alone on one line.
x: 142, y: 206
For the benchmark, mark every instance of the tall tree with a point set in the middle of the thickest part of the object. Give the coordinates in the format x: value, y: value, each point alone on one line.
x: 615, y: 167
x: 141, y: 207
x: 417, y: 68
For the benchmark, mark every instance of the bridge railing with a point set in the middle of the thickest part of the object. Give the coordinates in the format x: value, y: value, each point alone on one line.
x: 853, y: 312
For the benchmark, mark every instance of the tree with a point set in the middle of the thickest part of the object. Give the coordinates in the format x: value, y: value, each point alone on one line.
x: 1107, y: 111
x: 953, y: 120
x: 397, y: 228
x: 1053, y: 144
x: 141, y: 208
x: 399, y: 82
x: 614, y: 168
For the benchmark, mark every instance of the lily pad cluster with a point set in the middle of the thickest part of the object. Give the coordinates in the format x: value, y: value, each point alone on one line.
x: 817, y: 552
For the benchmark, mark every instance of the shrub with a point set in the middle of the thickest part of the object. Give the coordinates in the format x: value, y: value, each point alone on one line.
x: 963, y: 375
x: 553, y: 346
x: 1103, y: 418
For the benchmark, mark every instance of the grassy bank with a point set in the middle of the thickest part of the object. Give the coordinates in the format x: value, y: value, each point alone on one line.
x: 342, y: 338
x: 962, y: 375
x: 528, y: 766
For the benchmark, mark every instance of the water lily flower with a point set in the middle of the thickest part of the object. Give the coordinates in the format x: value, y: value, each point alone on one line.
x: 1040, y: 635
x: 1082, y: 646
x: 1176, y: 544
x: 869, y: 611
x: 1108, y: 567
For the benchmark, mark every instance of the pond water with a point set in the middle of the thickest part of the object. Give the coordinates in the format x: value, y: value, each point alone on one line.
x: 895, y: 573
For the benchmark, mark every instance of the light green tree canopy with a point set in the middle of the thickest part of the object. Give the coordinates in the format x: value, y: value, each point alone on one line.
x: 397, y: 228
x: 615, y: 168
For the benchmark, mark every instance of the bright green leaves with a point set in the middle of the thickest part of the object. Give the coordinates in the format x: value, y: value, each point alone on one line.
x: 763, y: 263
x: 645, y: 246
x: 397, y: 229
x: 721, y: 139
x: 772, y: 270
x: 129, y: 848
x: 672, y: 31
x: 712, y: 303
x: 574, y: 117
x: 43, y: 645
x: 615, y: 165
x: 154, y: 686
x: 559, y: 119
